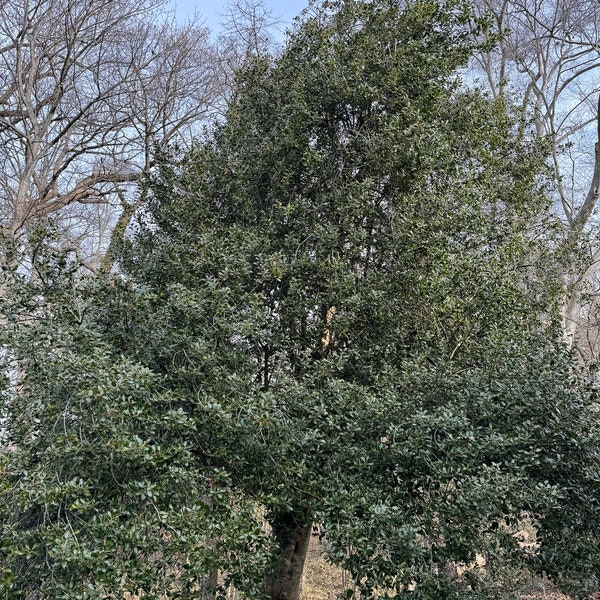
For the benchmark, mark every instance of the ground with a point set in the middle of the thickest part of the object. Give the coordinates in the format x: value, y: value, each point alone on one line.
x: 323, y: 582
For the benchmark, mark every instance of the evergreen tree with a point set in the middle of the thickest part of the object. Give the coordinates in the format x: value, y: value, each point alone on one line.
x: 344, y: 294
x: 360, y: 240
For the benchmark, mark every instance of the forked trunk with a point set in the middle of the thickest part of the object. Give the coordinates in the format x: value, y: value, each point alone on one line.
x: 292, y: 532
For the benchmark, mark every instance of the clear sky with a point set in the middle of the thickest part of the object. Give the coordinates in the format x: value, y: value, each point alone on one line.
x: 212, y: 11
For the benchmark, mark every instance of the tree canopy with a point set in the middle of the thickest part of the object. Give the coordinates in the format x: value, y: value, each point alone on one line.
x: 336, y: 311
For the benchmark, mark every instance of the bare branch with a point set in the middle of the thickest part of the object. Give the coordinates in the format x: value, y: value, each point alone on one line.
x: 88, y: 88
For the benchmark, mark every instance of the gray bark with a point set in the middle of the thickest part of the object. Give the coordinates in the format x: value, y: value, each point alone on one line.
x: 575, y: 287
x: 292, y: 532
x: 209, y: 586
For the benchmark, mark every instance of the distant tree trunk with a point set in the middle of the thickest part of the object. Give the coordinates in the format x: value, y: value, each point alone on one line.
x: 209, y: 586
x: 118, y: 233
x: 572, y: 319
x: 292, y: 532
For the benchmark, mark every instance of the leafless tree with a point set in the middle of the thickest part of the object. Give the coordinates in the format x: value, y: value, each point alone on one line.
x: 87, y: 89
x: 248, y: 28
x: 547, y: 62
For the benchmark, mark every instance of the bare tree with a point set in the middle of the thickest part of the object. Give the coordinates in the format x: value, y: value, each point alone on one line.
x: 547, y: 61
x: 87, y: 89
x: 247, y: 32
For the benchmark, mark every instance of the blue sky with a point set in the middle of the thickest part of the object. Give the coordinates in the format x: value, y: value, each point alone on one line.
x: 212, y: 11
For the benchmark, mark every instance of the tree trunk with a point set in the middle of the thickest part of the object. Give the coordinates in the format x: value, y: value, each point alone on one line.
x: 575, y: 290
x: 292, y: 532
x: 118, y: 234
x: 209, y: 586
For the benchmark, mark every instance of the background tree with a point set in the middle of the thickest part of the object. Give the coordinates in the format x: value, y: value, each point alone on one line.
x: 544, y: 61
x: 247, y: 32
x: 87, y: 88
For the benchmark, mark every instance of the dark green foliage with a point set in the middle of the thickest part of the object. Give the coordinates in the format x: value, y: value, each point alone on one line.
x: 102, y: 490
x: 360, y: 240
x: 340, y: 305
x: 464, y: 458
